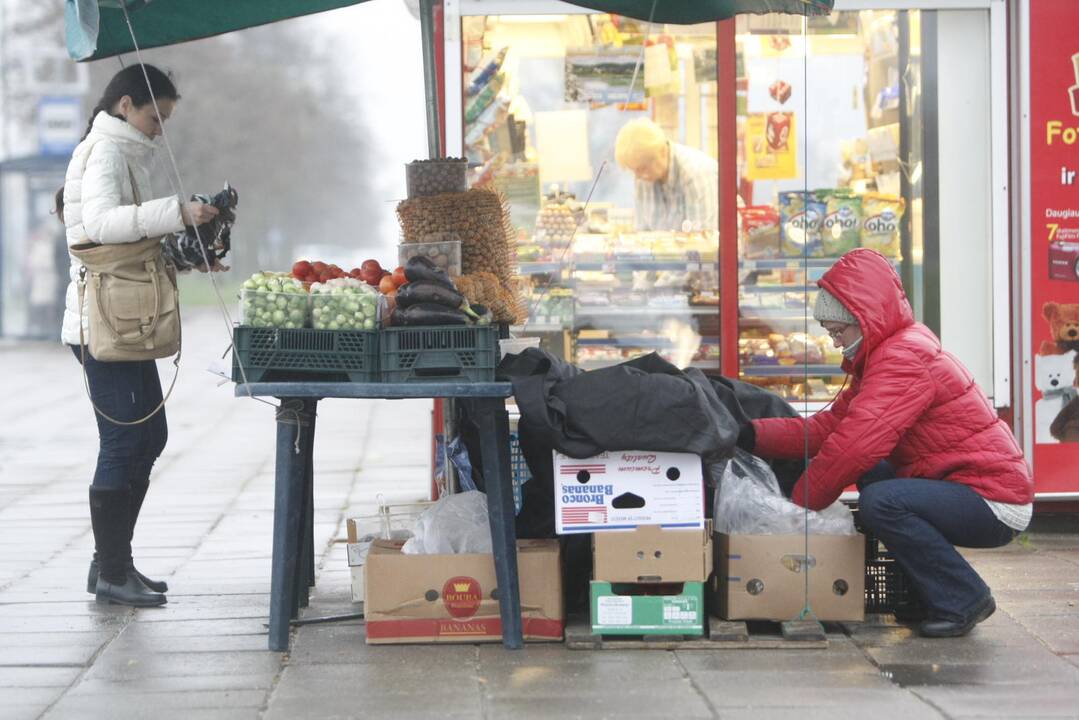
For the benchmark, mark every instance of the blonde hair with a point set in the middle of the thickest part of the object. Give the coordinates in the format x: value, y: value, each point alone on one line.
x: 638, y: 142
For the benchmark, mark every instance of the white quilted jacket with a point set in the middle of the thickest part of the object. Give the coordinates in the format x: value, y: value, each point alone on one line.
x: 99, y: 205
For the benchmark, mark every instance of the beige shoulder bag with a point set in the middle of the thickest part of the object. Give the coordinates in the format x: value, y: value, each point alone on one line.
x: 132, y: 303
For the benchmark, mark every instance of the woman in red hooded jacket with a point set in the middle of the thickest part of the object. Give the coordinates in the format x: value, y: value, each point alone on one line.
x: 935, y: 466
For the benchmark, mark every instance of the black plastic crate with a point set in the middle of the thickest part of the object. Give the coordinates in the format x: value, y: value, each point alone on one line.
x: 280, y: 354
x: 436, y: 354
x: 887, y: 587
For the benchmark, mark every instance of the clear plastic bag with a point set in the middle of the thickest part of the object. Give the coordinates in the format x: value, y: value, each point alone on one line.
x: 455, y: 524
x: 748, y: 501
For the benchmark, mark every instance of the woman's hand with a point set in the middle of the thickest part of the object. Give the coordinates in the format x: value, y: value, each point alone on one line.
x: 196, y: 213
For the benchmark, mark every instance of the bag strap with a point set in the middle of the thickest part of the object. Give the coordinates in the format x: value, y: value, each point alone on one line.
x: 86, y: 378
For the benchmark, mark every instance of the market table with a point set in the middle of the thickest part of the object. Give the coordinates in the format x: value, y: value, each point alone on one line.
x: 293, y: 546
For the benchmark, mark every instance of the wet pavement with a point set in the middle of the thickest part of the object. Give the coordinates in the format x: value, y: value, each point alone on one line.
x: 206, y: 529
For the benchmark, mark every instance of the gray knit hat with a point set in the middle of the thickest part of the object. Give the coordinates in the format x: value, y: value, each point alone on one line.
x: 828, y: 308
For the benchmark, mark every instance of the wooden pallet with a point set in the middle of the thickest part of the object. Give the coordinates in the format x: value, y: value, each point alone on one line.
x: 722, y: 635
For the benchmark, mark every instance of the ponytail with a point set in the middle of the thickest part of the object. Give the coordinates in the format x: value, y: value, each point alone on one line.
x: 131, y: 82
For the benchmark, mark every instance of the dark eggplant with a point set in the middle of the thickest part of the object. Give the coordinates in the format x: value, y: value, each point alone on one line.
x: 420, y: 269
x: 425, y: 291
x: 428, y: 314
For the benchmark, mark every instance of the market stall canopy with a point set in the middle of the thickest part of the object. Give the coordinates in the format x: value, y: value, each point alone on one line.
x: 97, y: 29
x: 696, y: 11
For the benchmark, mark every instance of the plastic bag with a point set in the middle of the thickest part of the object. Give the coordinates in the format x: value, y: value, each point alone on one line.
x: 455, y: 524
x: 462, y: 464
x: 748, y: 501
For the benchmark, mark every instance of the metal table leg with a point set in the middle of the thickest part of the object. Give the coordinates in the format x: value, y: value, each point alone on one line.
x: 291, y: 468
x: 305, y: 575
x: 493, y: 422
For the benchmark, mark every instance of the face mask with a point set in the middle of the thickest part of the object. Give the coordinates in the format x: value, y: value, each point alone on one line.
x: 851, y: 350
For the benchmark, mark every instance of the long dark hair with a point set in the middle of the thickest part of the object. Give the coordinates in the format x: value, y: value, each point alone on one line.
x: 131, y: 82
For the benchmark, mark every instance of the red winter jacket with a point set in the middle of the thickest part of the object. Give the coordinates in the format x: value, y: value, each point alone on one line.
x: 909, y: 402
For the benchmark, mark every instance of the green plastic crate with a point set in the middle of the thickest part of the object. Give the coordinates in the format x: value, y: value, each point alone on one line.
x: 436, y: 354
x: 279, y: 354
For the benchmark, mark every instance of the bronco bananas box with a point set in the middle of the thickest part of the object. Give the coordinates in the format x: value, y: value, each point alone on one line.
x: 454, y: 598
x: 620, y: 490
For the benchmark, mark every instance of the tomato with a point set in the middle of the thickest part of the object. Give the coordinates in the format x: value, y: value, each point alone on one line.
x: 318, y: 266
x: 386, y: 285
x: 371, y: 265
x: 301, y: 269
x: 399, y: 278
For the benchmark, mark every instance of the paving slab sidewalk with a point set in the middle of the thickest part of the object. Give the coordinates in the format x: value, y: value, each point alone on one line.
x: 207, y: 526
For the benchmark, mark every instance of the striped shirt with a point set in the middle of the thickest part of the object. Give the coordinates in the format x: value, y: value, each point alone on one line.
x: 687, y: 200
x: 1017, y: 517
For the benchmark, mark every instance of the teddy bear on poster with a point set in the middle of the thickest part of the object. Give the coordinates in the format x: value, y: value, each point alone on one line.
x: 1063, y: 325
x: 1054, y: 376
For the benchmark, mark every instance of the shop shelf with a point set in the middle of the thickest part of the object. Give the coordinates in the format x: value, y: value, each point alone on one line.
x: 645, y: 310
x: 435, y: 354
x: 793, y: 263
x: 298, y: 354
x: 529, y: 268
x: 639, y: 341
x: 796, y: 369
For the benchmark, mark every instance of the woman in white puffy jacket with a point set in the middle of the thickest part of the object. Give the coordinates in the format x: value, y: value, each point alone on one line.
x: 98, y: 204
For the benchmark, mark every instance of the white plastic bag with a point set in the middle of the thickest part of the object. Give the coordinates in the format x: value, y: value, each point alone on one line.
x: 748, y: 501
x: 455, y: 524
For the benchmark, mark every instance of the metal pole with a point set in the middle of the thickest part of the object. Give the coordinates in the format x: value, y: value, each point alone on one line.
x: 430, y: 77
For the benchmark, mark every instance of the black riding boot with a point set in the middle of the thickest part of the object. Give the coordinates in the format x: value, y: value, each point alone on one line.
x: 138, y: 494
x: 110, y: 515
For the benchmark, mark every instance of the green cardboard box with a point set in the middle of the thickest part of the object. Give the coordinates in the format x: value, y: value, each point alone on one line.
x: 620, y: 609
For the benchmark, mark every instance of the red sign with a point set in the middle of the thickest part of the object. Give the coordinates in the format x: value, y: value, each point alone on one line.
x: 1054, y: 251
x: 462, y: 596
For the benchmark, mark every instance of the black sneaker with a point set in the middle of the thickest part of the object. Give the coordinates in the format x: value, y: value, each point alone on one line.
x: 950, y: 628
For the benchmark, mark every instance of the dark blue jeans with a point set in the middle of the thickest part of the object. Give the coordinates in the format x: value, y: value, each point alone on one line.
x: 921, y: 522
x: 125, y: 391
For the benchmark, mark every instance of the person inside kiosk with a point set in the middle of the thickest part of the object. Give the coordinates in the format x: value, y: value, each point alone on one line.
x: 935, y: 467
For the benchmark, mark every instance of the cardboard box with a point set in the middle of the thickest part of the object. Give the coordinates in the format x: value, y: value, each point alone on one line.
x: 763, y: 577
x: 621, y: 490
x: 620, y: 609
x: 453, y: 598
x: 653, y: 554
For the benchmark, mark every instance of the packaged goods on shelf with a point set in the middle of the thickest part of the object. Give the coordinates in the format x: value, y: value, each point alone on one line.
x: 555, y: 225
x: 841, y: 229
x: 880, y: 225
x: 529, y: 253
x: 759, y: 232
x: 800, y: 214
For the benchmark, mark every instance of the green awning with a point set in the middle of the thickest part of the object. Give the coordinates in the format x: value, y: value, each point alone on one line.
x: 97, y: 29
x: 685, y: 12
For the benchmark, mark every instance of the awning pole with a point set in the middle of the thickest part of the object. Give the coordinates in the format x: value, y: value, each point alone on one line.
x: 430, y: 77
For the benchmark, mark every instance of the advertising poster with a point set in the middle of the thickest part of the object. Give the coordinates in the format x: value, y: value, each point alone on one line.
x: 1054, y: 251
x: 771, y: 146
